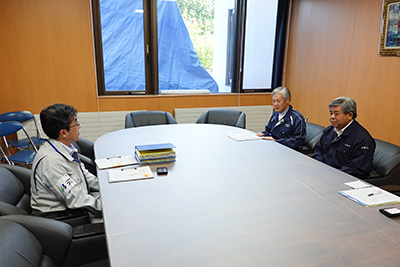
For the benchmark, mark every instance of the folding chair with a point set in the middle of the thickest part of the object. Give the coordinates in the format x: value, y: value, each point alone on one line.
x: 22, y: 156
x: 22, y: 117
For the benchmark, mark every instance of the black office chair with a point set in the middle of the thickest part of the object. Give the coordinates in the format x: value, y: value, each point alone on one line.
x: 314, y: 133
x: 145, y: 118
x: 15, y: 192
x: 86, y: 154
x: 34, y: 241
x: 386, y: 164
x: 224, y: 116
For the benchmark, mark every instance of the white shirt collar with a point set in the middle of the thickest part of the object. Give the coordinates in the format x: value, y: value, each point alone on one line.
x: 281, y: 115
x: 339, y: 132
x: 70, y: 149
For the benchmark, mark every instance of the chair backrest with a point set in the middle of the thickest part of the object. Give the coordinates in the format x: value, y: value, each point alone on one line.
x: 386, y: 157
x: 15, y: 192
x: 85, y: 147
x: 11, y: 127
x: 21, y: 116
x: 86, y: 154
x: 386, y: 164
x: 24, y: 156
x: 314, y: 133
x: 31, y: 241
x: 224, y: 116
x: 19, y: 247
x: 145, y: 118
x: 15, y: 187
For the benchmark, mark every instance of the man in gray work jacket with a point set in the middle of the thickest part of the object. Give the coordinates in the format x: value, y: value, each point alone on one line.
x: 59, y: 180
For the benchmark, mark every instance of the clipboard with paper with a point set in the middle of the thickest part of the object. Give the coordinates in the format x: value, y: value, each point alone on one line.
x: 370, y: 196
x: 129, y: 174
x: 114, y: 162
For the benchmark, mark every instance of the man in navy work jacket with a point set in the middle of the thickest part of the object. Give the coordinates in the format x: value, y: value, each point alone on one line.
x: 286, y: 126
x: 345, y: 144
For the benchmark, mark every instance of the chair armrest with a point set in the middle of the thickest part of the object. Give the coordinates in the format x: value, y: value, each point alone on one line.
x: 8, y: 209
x: 71, y: 217
x: 54, y: 236
x: 82, y: 231
x: 88, y: 245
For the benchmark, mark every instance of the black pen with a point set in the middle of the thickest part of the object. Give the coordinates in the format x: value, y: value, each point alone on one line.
x: 373, y: 194
x: 114, y: 157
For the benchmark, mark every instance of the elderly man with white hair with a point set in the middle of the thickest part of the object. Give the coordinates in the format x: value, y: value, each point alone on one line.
x: 286, y: 125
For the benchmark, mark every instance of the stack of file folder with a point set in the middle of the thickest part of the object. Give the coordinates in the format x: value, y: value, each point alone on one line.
x: 155, y: 153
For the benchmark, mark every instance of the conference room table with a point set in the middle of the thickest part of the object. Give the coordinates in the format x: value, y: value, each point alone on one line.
x: 230, y: 203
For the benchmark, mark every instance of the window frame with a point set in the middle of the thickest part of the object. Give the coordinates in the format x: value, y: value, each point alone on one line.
x: 150, y: 47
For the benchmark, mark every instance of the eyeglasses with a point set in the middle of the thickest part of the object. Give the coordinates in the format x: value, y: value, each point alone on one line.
x: 77, y: 124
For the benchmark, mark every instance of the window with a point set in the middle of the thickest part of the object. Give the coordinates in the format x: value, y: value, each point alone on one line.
x: 153, y: 46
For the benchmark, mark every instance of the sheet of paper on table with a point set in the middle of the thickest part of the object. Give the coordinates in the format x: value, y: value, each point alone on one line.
x: 129, y: 174
x: 241, y: 135
x: 114, y: 162
x: 357, y: 184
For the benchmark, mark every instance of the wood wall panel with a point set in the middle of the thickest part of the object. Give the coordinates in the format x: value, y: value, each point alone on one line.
x: 128, y: 103
x: 321, y: 40
x: 11, y: 84
x: 49, y: 54
x: 333, y: 51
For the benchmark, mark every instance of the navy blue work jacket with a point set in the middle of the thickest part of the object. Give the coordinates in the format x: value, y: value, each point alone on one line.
x: 352, y: 152
x: 289, y: 131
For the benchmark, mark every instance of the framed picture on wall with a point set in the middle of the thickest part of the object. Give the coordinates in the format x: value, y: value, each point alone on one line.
x: 390, y: 28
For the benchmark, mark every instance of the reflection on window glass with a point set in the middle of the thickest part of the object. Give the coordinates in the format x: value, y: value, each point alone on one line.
x: 123, y: 52
x: 198, y: 16
x: 196, y: 45
x: 259, y: 48
x: 179, y: 64
x: 209, y: 25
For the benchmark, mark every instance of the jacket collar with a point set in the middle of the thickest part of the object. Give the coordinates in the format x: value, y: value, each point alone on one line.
x: 59, y: 148
x: 350, y: 128
x: 286, y: 117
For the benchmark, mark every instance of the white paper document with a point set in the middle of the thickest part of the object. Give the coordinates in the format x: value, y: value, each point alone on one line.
x: 129, y: 174
x: 241, y: 135
x: 370, y: 196
x: 357, y: 184
x: 115, y: 162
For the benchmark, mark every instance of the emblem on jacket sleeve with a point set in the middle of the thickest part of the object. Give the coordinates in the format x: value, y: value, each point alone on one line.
x: 65, y: 184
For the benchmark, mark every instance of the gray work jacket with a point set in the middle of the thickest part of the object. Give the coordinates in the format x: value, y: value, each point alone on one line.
x: 58, y: 181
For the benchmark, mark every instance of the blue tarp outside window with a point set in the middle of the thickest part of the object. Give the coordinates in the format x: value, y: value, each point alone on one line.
x: 123, y: 49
